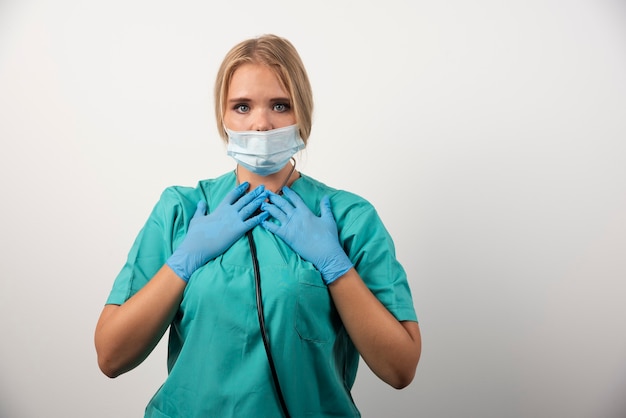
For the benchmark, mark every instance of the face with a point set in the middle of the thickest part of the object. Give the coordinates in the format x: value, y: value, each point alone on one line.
x: 256, y: 101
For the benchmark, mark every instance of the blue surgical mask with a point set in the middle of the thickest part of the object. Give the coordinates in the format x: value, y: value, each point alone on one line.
x: 264, y: 152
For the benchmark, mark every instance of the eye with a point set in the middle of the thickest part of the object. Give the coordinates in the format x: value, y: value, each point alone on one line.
x: 241, y: 108
x: 281, y: 107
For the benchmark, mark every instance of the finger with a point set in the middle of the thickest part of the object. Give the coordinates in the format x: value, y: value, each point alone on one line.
x: 252, y: 207
x: 275, y: 211
x: 281, y: 202
x: 256, y: 220
x: 236, y: 193
x: 271, y: 226
x: 200, y: 209
x: 295, y: 199
x: 249, y: 197
x: 325, y: 208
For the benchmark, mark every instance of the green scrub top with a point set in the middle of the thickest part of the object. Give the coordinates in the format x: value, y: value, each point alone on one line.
x: 217, y: 365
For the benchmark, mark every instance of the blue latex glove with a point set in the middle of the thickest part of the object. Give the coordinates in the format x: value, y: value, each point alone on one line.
x: 208, y: 236
x: 314, y: 238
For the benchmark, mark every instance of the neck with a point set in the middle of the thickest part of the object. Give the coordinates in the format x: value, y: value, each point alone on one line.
x: 274, y: 182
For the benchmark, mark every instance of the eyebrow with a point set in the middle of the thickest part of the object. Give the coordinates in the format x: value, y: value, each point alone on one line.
x: 238, y: 100
x: 246, y: 100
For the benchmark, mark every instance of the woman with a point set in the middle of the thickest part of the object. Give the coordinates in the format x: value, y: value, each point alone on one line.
x: 330, y: 288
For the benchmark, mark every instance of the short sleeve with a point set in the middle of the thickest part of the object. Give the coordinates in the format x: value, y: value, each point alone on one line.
x: 153, y: 244
x: 370, y: 247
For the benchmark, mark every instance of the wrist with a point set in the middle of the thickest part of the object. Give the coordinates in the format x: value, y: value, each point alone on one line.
x: 179, y: 265
x: 336, y: 267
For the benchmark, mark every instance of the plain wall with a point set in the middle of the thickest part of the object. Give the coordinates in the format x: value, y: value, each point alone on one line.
x: 489, y: 135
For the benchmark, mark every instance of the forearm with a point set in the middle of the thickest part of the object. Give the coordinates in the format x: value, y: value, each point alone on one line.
x: 389, y: 347
x: 127, y: 333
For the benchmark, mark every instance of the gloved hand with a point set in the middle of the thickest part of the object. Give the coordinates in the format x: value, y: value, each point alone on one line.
x: 208, y: 236
x: 314, y: 238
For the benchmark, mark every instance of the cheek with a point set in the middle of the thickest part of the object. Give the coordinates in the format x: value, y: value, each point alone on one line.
x: 285, y: 119
x: 233, y: 123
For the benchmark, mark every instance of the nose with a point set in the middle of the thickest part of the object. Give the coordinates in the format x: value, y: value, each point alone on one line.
x: 261, y: 121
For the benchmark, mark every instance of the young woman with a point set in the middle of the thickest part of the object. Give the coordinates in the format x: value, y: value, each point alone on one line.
x: 271, y: 282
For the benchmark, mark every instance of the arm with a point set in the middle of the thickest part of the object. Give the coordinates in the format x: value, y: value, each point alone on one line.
x: 127, y: 333
x: 390, y: 348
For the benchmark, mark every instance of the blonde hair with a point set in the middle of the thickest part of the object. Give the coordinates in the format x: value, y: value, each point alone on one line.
x: 280, y: 56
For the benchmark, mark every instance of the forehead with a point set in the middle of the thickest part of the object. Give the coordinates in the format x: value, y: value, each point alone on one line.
x: 255, y: 79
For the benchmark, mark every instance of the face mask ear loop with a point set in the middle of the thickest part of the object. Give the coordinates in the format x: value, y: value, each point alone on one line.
x: 293, y: 168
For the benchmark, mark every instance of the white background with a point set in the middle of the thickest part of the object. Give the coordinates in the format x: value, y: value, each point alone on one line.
x: 490, y: 135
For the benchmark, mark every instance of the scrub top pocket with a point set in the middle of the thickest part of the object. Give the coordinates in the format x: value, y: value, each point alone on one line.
x: 317, y: 319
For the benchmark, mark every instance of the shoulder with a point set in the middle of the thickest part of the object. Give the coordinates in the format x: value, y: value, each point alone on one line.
x: 345, y: 205
x: 310, y: 186
x: 185, y: 198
